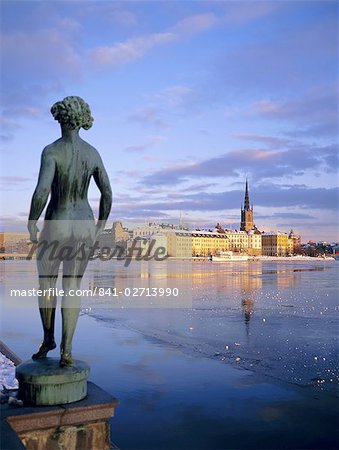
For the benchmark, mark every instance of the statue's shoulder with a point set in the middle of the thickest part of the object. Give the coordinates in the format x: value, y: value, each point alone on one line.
x: 50, y: 149
x: 88, y: 146
x: 91, y: 151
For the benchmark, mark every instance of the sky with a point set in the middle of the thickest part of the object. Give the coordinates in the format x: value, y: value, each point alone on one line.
x: 189, y: 99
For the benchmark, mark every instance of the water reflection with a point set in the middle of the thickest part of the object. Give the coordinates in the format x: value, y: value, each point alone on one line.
x: 283, y: 315
x: 140, y: 285
x: 248, y: 310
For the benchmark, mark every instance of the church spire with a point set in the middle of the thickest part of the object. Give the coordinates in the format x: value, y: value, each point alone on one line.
x: 247, y: 222
x: 247, y: 198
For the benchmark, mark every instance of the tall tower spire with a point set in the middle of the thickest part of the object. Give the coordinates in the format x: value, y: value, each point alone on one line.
x: 247, y: 222
x: 247, y: 198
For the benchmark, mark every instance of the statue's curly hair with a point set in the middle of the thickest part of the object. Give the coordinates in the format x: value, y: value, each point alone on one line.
x: 73, y: 112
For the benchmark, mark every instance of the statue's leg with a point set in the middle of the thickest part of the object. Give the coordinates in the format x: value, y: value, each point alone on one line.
x: 71, y: 282
x: 48, y: 274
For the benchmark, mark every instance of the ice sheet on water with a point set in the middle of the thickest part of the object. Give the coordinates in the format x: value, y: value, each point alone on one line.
x: 277, y: 319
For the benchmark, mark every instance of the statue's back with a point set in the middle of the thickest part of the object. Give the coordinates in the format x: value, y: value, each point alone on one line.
x: 75, y: 163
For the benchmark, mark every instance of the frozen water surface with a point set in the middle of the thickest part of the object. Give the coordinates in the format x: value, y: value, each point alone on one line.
x: 248, y: 362
x: 279, y: 319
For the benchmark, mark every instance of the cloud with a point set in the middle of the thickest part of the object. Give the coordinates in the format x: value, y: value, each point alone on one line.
x: 41, y: 51
x: 314, y: 107
x: 198, y: 187
x: 184, y: 98
x: 319, y: 130
x: 195, y: 24
x: 37, y: 63
x: 6, y: 137
x: 148, y: 115
x: 136, y: 48
x: 135, y: 148
x: 150, y: 141
x: 134, y: 211
x: 13, y: 180
x: 129, y: 50
x: 175, y: 100
x: 271, y: 141
x: 8, y: 127
x: 262, y: 163
x: 265, y: 195
x: 13, y: 224
x: 314, y: 114
x: 174, y: 95
x: 285, y: 215
x: 100, y: 14
x: 155, y: 139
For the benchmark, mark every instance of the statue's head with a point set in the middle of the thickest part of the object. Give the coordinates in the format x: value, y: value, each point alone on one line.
x: 73, y: 113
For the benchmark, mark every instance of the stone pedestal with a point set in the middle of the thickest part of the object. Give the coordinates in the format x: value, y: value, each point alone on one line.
x: 83, y: 425
x: 44, y: 382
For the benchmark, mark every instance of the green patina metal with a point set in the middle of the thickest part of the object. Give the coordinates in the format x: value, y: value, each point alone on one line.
x: 67, y: 166
x: 44, y: 382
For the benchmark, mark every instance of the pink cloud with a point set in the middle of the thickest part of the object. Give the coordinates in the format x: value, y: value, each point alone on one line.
x: 129, y: 50
x: 135, y: 48
x: 195, y: 24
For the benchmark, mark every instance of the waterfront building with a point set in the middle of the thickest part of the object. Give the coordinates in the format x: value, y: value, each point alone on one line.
x: 105, y: 239
x: 111, y: 237
x: 145, y: 230
x: 248, y: 242
x: 120, y: 234
x: 147, y: 245
x: 153, y: 228
x: 276, y: 244
x: 184, y: 244
x: 295, y: 242
x: 205, y: 243
x: 254, y: 242
x: 238, y: 240
x: 179, y: 243
x: 11, y: 242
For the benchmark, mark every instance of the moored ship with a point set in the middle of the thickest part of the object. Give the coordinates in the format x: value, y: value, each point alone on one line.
x: 229, y: 256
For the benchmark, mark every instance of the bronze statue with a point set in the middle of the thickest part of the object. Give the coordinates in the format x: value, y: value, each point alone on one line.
x: 67, y: 166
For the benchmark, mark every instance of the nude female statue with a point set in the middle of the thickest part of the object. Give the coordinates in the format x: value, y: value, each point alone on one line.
x: 67, y: 166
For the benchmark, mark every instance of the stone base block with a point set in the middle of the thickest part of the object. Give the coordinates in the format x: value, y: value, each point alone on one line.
x: 44, y: 382
x: 79, y: 426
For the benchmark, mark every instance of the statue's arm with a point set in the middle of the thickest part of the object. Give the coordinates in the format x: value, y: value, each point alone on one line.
x: 102, y: 181
x: 41, y: 193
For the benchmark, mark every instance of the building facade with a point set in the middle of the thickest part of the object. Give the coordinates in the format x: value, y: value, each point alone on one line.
x: 11, y: 242
x: 205, y: 243
x: 254, y: 243
x: 295, y: 243
x: 120, y: 234
x: 179, y: 244
x: 276, y: 244
x: 148, y: 246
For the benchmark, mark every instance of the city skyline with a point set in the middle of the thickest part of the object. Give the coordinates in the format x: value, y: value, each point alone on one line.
x: 189, y: 100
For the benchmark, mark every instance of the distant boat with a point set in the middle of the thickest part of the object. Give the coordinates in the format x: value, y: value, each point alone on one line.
x: 229, y: 256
